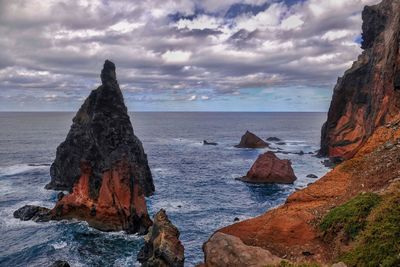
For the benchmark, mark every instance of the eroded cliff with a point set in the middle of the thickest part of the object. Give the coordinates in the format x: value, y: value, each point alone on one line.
x: 368, y: 95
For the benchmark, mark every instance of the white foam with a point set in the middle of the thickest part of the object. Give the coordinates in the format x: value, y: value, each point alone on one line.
x: 59, y: 245
x: 20, y: 168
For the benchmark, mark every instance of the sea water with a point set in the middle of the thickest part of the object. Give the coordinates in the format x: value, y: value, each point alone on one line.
x: 194, y: 183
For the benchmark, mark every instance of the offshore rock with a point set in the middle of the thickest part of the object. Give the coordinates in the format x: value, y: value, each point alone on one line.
x: 368, y: 95
x: 268, y: 168
x: 250, y: 140
x: 34, y: 213
x: 103, y: 164
x: 162, y: 247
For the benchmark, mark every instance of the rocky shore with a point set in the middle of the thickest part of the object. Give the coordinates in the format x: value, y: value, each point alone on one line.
x: 347, y: 215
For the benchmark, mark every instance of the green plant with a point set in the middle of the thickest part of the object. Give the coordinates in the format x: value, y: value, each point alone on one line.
x: 379, y: 243
x: 351, y: 216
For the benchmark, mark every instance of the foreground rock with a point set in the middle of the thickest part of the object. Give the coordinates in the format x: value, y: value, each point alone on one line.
x: 367, y: 96
x: 103, y: 165
x: 250, y: 140
x: 162, y: 246
x: 224, y: 250
x: 268, y: 168
x: 34, y: 213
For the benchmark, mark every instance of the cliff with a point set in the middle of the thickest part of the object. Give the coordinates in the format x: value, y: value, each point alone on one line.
x: 368, y: 94
x: 103, y: 164
x: 363, y: 127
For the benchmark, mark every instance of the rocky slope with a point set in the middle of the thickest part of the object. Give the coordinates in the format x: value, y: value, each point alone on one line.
x: 102, y: 164
x: 363, y: 127
x: 368, y: 95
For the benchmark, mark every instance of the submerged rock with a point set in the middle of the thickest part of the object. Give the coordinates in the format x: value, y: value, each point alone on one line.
x: 103, y: 164
x: 273, y: 139
x: 312, y: 176
x: 162, y: 246
x: 223, y: 250
x: 250, y: 140
x: 60, y: 263
x: 206, y: 143
x: 367, y: 96
x: 34, y: 213
x: 268, y: 168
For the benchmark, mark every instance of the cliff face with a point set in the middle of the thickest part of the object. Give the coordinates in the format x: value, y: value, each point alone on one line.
x: 103, y: 164
x: 368, y: 95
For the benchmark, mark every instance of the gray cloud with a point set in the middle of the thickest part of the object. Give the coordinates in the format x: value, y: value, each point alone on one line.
x: 55, y: 48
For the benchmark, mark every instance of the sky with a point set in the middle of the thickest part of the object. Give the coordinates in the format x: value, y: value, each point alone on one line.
x: 178, y: 55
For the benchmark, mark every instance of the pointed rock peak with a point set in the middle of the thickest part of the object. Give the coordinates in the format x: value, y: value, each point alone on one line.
x: 108, y: 72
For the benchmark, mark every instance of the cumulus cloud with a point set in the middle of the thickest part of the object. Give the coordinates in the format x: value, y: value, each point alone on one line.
x: 52, y: 50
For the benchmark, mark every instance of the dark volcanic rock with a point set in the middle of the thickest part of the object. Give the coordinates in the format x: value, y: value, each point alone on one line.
x: 162, y: 247
x: 206, y: 143
x: 268, y: 168
x: 34, y: 213
x: 101, y: 134
x: 273, y: 139
x: 103, y: 164
x: 250, y: 140
x: 312, y: 176
x: 60, y: 264
x: 367, y: 96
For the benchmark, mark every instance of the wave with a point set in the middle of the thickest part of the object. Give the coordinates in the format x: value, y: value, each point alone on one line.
x: 21, y: 168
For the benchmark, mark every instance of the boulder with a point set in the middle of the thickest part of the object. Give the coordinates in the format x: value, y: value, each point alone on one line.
x: 312, y: 176
x: 34, y: 213
x: 268, y: 168
x: 250, y: 140
x: 162, y: 247
x: 223, y: 250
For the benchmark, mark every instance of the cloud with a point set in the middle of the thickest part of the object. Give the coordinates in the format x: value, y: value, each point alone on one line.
x: 170, y: 51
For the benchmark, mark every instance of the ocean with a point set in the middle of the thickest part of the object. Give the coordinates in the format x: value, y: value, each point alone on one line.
x: 194, y: 183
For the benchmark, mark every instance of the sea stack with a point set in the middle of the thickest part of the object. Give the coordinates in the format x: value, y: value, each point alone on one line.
x: 268, y: 168
x: 250, y: 140
x: 103, y: 165
x: 368, y: 94
x: 162, y: 246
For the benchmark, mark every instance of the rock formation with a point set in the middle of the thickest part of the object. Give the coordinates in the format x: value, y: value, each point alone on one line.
x: 268, y: 168
x: 103, y: 165
x: 250, y: 140
x: 101, y: 134
x: 368, y: 95
x: 33, y: 213
x: 162, y: 247
x: 206, y: 143
x: 229, y: 251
